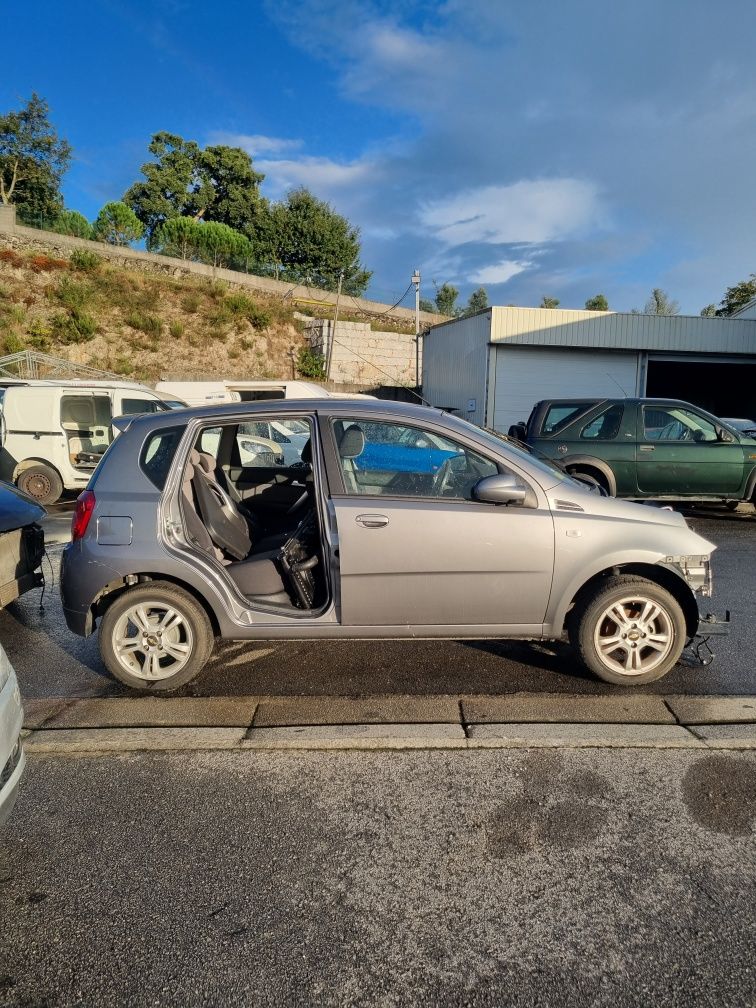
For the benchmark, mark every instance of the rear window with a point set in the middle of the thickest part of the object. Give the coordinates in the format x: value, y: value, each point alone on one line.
x: 560, y: 415
x: 157, y: 454
x: 605, y: 426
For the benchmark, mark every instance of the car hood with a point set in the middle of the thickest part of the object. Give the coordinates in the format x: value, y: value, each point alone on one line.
x: 17, y: 508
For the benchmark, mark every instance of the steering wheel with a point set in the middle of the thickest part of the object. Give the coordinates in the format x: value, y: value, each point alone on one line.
x: 445, y: 479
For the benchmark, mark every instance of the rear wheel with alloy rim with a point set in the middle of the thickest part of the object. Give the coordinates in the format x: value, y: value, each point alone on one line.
x: 155, y: 637
x: 628, y: 630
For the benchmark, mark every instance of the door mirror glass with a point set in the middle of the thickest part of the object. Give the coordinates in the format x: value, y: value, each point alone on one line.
x: 504, y: 488
x: 724, y: 435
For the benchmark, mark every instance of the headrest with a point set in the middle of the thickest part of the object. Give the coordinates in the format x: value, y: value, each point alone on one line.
x: 352, y: 442
x: 194, y: 457
x: 307, y: 451
x: 207, y: 462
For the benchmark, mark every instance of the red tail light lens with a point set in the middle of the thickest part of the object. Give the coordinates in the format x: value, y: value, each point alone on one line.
x: 85, y: 503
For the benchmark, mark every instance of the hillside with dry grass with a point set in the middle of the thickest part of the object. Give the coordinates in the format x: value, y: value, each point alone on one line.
x: 141, y: 325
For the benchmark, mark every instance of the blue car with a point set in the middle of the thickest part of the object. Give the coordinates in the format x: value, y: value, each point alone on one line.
x: 393, y: 457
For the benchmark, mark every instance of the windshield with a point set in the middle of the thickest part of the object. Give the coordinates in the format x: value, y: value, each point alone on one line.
x: 525, y: 452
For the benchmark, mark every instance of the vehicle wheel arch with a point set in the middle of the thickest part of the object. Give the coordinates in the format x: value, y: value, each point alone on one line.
x: 115, y: 589
x: 32, y: 461
x: 657, y: 573
x: 592, y: 466
x: 750, y: 490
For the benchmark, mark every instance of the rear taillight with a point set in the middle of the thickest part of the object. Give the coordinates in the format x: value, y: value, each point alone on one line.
x: 85, y: 503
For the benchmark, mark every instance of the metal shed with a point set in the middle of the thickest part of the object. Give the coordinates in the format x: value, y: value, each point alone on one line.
x: 493, y: 366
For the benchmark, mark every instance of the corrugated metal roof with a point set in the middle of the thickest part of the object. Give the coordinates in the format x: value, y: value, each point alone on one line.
x: 619, y: 331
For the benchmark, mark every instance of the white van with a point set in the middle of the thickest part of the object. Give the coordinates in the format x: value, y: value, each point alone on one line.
x: 202, y: 393
x: 53, y: 433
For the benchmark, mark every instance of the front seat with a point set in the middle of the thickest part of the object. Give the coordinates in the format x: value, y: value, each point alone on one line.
x: 257, y: 576
x: 351, y: 446
x: 228, y: 528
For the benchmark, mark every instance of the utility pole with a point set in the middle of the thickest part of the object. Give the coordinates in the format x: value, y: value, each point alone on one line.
x: 329, y: 358
x: 416, y: 282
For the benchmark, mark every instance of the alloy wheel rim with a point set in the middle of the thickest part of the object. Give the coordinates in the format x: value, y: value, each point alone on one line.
x: 633, y: 635
x: 152, y: 640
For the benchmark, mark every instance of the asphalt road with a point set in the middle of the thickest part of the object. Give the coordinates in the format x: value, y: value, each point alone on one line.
x: 560, y: 879
x: 50, y: 661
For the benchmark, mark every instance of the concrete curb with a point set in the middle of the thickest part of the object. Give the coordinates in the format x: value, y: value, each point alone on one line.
x: 391, y: 736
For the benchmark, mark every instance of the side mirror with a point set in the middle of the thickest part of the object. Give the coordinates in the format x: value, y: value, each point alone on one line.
x: 724, y: 435
x: 504, y: 488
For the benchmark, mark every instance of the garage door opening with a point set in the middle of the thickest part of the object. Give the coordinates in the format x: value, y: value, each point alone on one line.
x: 726, y: 390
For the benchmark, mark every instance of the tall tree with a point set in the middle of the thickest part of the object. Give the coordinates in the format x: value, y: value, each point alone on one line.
x: 446, y: 299
x: 597, y: 303
x: 33, y: 161
x: 738, y: 296
x: 311, y: 243
x: 216, y: 184
x: 709, y: 311
x: 477, y: 301
x: 426, y: 305
x: 549, y: 302
x: 117, y: 224
x: 180, y: 237
x: 659, y: 303
x: 71, y: 222
x: 220, y: 245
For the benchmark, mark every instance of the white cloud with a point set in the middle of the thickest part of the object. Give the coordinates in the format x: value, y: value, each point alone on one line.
x: 526, y: 211
x: 254, y: 143
x: 499, y: 272
x: 323, y: 175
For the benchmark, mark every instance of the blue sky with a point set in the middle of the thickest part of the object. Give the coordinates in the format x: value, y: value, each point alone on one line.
x: 540, y: 147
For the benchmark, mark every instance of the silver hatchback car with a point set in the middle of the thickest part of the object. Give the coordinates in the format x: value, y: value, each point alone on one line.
x: 394, y: 521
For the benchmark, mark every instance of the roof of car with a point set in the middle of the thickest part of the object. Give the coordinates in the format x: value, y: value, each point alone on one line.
x: 288, y: 406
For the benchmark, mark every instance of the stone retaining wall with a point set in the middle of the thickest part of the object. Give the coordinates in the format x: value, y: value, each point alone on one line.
x: 29, y: 239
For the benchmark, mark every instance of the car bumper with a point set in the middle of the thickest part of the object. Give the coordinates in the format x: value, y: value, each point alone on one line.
x: 12, y: 759
x: 712, y: 626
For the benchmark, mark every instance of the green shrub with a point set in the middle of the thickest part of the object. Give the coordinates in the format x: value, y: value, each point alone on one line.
x: 74, y: 294
x: 310, y: 364
x: 85, y: 261
x: 258, y: 317
x: 12, y: 343
x: 74, y: 326
x: 38, y: 334
x: 149, y: 324
x: 176, y: 329
x: 121, y: 366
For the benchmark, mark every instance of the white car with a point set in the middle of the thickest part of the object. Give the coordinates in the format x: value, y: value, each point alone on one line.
x: 12, y: 758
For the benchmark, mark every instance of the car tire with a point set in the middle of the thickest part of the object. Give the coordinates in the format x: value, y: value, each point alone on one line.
x: 648, y: 615
x: 41, y: 482
x: 155, y: 637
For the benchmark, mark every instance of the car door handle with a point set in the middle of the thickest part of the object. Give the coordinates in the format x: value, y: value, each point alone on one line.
x: 646, y: 447
x: 372, y: 520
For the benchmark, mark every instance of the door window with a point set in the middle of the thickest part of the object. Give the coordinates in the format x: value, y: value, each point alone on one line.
x: 399, y: 460
x: 130, y: 407
x: 560, y: 415
x: 672, y: 423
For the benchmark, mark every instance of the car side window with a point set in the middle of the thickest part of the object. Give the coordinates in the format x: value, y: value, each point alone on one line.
x: 157, y: 454
x: 605, y: 426
x: 278, y: 442
x: 671, y: 423
x: 560, y: 415
x: 400, y: 460
x: 130, y: 407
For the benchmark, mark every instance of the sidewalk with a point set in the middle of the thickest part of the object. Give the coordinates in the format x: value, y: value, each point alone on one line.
x: 518, y: 720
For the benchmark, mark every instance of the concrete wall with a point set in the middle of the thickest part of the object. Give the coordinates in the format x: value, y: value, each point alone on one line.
x: 364, y: 356
x: 31, y: 239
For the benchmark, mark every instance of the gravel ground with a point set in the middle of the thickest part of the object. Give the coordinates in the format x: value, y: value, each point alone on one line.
x: 362, y: 879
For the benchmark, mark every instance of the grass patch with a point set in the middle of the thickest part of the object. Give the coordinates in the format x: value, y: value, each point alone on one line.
x: 176, y: 329
x: 37, y: 262
x: 74, y: 294
x: 190, y: 302
x: 149, y: 324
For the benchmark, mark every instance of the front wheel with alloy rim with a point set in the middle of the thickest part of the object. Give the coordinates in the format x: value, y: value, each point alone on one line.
x: 155, y: 637
x: 628, y: 630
